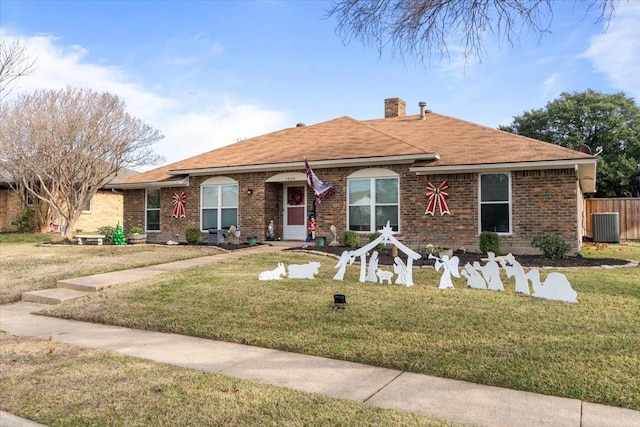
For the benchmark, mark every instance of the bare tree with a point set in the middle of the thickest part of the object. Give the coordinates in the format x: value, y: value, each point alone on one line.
x: 62, y: 145
x: 420, y: 27
x: 14, y: 64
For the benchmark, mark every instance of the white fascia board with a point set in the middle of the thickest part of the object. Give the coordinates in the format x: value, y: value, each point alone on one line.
x: 491, y: 167
x: 144, y: 185
x: 316, y: 164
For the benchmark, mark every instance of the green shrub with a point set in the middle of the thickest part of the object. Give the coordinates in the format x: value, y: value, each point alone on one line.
x: 107, y: 231
x: 25, y: 221
x: 351, y: 239
x: 551, y: 246
x: 489, y: 242
x: 136, y: 230
x: 374, y: 236
x: 194, y: 236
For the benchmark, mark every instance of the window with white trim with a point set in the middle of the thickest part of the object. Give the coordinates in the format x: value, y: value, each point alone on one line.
x: 87, y: 207
x: 495, y: 202
x: 373, y: 199
x: 152, y: 210
x: 218, y: 203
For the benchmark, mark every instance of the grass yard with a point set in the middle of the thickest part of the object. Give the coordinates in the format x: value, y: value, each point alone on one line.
x: 27, y: 266
x: 585, y: 351
x: 58, y: 384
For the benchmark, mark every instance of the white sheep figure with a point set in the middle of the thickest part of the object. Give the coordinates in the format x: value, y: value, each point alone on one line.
x: 273, y: 274
x: 303, y: 271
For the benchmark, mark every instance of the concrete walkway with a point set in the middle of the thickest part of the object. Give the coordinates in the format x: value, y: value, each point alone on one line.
x: 458, y: 401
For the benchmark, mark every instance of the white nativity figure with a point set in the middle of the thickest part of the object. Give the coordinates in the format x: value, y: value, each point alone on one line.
x: 373, y: 266
x: 491, y: 273
x: 450, y: 268
x: 346, y: 258
x: 401, y: 270
x: 474, y: 278
x: 334, y: 236
x: 384, y: 276
x: 515, y: 270
x: 303, y: 271
x: 555, y: 287
x: 273, y: 274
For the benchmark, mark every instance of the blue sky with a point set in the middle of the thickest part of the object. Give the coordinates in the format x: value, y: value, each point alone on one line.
x: 208, y: 73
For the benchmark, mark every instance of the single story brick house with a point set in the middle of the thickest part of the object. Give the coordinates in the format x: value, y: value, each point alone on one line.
x: 104, y: 208
x: 382, y: 170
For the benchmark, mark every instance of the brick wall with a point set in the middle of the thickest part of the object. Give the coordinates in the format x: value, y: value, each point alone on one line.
x: 106, y: 209
x: 10, y: 208
x: 542, y: 202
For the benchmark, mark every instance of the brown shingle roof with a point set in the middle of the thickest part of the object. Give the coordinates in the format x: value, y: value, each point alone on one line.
x: 457, y: 142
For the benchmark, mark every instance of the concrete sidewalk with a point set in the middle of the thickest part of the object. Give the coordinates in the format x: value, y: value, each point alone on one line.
x: 435, y: 397
x: 458, y: 401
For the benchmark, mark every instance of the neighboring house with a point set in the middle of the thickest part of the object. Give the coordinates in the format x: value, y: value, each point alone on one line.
x: 104, y: 208
x: 497, y: 181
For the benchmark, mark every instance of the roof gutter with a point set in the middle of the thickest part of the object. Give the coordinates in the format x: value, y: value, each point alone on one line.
x: 317, y: 164
x: 585, y: 169
x: 497, y: 167
x: 184, y: 182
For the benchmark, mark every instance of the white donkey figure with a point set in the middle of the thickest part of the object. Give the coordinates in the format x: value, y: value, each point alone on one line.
x: 273, y: 274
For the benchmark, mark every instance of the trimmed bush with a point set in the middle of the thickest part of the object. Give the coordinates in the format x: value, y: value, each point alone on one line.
x: 193, y: 235
x: 489, y: 242
x: 351, y: 239
x: 551, y: 246
x: 107, y: 231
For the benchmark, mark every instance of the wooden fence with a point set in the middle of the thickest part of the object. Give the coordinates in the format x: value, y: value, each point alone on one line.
x: 628, y: 209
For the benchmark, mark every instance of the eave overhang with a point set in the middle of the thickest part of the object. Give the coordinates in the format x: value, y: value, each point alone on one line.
x: 184, y: 182
x: 316, y: 164
x: 585, y: 169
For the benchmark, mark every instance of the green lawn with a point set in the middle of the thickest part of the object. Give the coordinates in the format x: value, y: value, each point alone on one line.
x: 586, y: 351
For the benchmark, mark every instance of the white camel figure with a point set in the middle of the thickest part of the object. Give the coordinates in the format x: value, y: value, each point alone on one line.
x: 515, y: 270
x: 273, y: 274
x: 384, y: 275
x: 473, y: 276
x: 491, y: 273
x: 555, y: 287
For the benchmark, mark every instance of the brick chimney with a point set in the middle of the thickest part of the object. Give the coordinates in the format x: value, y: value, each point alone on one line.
x: 394, y: 107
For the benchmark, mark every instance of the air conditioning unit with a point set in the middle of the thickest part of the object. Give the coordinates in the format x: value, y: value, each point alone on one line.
x: 606, y: 227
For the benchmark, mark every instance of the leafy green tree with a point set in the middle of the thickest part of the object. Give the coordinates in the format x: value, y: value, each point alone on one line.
x: 608, y: 124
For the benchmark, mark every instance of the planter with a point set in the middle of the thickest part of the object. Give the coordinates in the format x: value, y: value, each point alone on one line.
x: 137, y: 239
x: 252, y: 241
x: 321, y: 241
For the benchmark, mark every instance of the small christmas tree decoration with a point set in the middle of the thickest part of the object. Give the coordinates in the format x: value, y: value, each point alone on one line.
x: 118, y: 236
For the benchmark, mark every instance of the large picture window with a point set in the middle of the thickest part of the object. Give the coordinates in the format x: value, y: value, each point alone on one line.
x: 152, y: 209
x: 372, y: 202
x: 219, y: 206
x: 495, y: 202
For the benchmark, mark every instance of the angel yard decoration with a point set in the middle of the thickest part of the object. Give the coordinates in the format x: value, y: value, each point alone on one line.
x: 450, y: 266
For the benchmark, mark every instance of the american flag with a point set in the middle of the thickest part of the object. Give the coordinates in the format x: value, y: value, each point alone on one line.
x: 320, y: 189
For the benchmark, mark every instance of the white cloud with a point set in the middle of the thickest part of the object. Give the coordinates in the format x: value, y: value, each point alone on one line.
x: 190, y: 128
x: 548, y: 87
x: 616, y: 52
